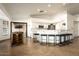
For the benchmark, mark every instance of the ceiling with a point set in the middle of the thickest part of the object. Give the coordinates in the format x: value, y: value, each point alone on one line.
x: 25, y: 10
x: 73, y: 8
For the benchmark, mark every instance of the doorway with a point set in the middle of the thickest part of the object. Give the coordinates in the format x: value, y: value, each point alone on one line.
x: 18, y: 27
x: 20, y: 23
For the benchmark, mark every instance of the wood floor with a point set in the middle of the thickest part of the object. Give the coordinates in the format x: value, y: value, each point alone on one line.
x: 29, y: 48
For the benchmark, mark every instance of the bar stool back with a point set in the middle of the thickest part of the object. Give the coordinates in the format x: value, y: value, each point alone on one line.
x: 36, y: 37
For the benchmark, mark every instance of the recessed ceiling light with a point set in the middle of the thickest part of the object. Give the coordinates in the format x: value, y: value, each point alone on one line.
x: 45, y: 11
x: 38, y: 9
x: 41, y: 11
x: 64, y: 4
x: 49, y: 5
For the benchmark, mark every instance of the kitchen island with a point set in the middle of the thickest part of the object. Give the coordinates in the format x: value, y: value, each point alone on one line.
x: 52, y: 36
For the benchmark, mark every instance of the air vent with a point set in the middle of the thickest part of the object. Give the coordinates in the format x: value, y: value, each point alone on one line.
x: 41, y: 11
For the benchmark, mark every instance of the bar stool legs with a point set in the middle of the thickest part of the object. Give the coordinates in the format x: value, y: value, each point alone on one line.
x: 51, y: 40
x: 69, y: 38
x: 60, y: 39
x: 43, y: 39
x: 35, y: 37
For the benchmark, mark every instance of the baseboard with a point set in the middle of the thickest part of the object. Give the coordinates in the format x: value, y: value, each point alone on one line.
x: 76, y: 37
x: 4, y: 40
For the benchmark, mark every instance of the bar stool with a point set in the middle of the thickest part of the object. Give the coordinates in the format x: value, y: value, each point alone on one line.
x: 43, y: 39
x: 51, y: 39
x: 36, y: 37
x: 60, y: 38
x: 67, y: 38
x: 71, y: 38
x: 63, y: 39
x: 57, y: 39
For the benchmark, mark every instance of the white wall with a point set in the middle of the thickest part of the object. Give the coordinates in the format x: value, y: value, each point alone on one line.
x: 59, y: 19
x: 56, y: 19
x: 38, y: 21
x: 76, y: 26
x: 35, y: 25
x: 70, y: 23
x: 4, y: 16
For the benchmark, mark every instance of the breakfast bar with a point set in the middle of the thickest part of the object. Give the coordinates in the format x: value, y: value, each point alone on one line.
x: 53, y: 36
